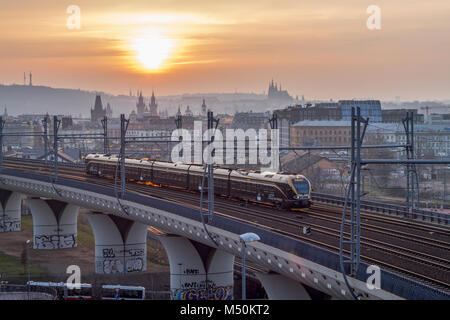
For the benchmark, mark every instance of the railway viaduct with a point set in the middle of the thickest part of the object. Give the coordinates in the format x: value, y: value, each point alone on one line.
x: 200, y: 268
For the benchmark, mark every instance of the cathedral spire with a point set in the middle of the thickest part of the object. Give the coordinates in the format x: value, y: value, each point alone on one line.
x: 153, y: 107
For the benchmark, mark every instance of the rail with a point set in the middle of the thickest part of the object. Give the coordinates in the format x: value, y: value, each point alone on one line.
x: 65, y: 164
x: 385, y: 208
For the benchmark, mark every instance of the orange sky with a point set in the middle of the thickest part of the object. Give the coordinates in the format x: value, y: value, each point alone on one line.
x: 321, y: 49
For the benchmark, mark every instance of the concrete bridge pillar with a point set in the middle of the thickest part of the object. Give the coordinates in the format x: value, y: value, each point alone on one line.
x: 197, y: 271
x: 54, y: 223
x: 120, y: 244
x: 279, y: 287
x: 11, y: 207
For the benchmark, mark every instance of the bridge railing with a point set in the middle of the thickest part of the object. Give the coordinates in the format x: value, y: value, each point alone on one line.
x: 385, y: 208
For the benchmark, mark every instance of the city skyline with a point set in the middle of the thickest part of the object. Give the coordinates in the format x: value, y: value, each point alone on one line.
x: 320, y: 50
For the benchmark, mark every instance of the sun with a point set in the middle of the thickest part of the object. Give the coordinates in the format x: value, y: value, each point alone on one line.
x: 151, y: 51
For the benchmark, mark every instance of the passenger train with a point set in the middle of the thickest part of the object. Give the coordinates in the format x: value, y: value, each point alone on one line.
x: 277, y: 189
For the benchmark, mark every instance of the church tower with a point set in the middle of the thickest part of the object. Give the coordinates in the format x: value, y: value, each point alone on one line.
x: 98, y: 112
x: 140, y: 106
x: 204, y: 108
x: 109, y: 112
x: 153, y: 107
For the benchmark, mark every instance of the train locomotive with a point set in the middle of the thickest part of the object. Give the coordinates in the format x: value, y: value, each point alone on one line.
x: 281, y: 190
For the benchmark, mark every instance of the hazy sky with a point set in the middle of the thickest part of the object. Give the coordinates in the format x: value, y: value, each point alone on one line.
x: 322, y: 49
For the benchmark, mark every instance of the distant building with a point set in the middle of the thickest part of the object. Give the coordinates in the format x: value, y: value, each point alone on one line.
x: 163, y: 114
x: 141, y: 108
x: 429, y: 141
x: 320, y: 133
x: 369, y: 109
x: 276, y: 93
x: 309, y: 164
x: 67, y: 122
x: 439, y: 119
x: 98, y: 112
x: 331, y: 111
x: 15, y: 127
x: 188, y: 112
x: 153, y: 107
x: 284, y: 128
x: 109, y: 112
x: 397, y: 115
x: 204, y: 109
x: 144, y: 112
x: 321, y: 111
x: 133, y: 116
x: 250, y: 120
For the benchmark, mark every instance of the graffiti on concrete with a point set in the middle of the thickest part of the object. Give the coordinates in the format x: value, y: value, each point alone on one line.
x: 49, y: 242
x: 111, y: 266
x: 135, y: 265
x: 191, y: 271
x: 210, y: 293
x: 134, y: 252
x: 9, y: 225
x: 109, y: 253
x: 202, y: 290
x: 120, y: 260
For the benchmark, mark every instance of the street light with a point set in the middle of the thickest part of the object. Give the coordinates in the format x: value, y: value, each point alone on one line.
x: 28, y: 267
x: 246, y: 238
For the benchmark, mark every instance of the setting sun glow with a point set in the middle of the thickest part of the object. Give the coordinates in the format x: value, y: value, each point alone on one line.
x: 152, y: 51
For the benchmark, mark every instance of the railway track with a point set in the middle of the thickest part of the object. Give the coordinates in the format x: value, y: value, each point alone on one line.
x: 322, y: 214
x: 367, y: 215
x: 288, y: 224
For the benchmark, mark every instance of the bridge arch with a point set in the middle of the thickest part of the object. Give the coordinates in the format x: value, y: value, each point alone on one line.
x: 120, y: 244
x: 11, y: 209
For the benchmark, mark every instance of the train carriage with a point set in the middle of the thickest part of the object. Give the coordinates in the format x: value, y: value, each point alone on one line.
x: 282, y: 190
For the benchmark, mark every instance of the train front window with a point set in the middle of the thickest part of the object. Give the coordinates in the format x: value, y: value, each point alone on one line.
x: 301, y: 185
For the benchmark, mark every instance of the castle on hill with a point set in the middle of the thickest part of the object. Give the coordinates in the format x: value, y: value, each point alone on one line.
x: 276, y: 93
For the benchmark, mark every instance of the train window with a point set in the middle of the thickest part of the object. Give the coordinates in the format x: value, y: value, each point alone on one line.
x: 301, y: 185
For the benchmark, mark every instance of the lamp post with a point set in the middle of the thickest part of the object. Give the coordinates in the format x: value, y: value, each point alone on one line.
x: 28, y: 267
x: 246, y: 238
